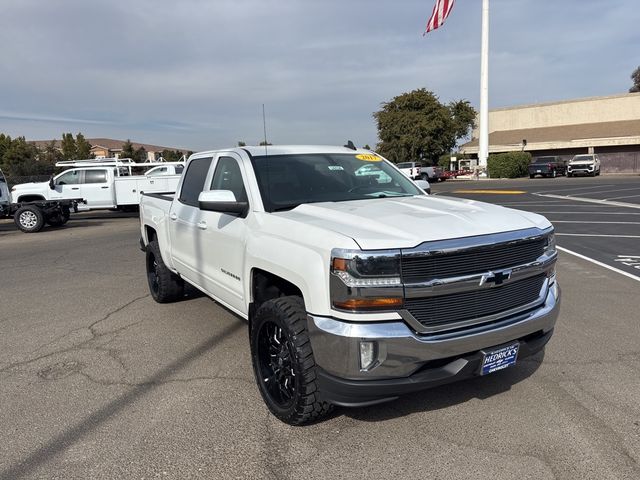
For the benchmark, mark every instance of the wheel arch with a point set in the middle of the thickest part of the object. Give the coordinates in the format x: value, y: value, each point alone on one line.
x: 266, y: 286
x: 29, y: 198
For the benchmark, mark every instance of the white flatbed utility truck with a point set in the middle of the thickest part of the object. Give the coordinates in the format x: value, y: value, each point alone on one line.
x: 103, y: 183
x: 357, y: 286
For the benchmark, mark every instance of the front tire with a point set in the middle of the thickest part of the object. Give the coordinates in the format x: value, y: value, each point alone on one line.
x: 164, y: 285
x: 283, y: 362
x: 29, y: 219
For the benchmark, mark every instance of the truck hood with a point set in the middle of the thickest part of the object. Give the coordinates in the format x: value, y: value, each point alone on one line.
x: 409, y: 221
x: 31, y: 186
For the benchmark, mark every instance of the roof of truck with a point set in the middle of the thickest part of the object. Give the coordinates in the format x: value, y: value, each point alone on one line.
x: 288, y: 150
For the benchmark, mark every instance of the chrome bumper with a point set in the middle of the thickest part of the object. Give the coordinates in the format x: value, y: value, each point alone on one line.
x: 401, y: 352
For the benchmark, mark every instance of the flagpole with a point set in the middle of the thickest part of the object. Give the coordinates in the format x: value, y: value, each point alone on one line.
x: 483, y: 152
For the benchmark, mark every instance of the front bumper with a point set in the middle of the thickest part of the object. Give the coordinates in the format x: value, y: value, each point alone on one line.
x: 581, y: 169
x: 408, y: 362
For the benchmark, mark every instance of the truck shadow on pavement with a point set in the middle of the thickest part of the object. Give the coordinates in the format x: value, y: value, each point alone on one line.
x: 58, y: 444
x: 446, y: 396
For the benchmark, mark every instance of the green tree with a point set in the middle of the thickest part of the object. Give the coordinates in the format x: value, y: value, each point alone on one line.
x: 21, y: 158
x: 140, y: 154
x: 68, y: 145
x: 416, y: 126
x: 50, y: 154
x: 242, y: 144
x: 263, y: 143
x: 635, y: 76
x: 83, y: 148
x: 367, y: 147
x: 171, y: 155
x: 127, y: 150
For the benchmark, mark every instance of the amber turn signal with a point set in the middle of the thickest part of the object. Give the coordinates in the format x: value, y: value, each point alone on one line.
x: 369, y: 303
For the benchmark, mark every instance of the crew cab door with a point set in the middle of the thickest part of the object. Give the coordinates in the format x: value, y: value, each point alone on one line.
x: 186, y: 250
x: 67, y: 185
x: 97, y: 188
x: 224, y: 235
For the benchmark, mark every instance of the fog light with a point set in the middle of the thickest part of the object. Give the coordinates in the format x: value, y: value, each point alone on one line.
x: 367, y: 354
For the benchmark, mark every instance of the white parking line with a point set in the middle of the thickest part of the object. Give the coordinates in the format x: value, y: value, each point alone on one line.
x: 607, y: 223
x: 591, y: 200
x: 578, y: 188
x: 594, y: 235
x: 626, y: 196
x: 601, y: 264
x: 589, y: 213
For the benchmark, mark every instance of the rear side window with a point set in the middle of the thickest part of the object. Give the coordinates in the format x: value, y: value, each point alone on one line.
x: 193, y: 183
x: 95, y: 176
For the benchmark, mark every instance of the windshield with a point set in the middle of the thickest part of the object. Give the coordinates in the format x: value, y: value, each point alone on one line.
x: 583, y: 158
x: 545, y: 160
x: 286, y: 181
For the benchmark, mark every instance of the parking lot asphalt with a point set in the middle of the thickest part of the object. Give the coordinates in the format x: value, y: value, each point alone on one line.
x: 98, y: 381
x: 598, y: 218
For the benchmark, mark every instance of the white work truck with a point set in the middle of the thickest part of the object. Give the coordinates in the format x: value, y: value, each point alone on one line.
x: 357, y: 286
x: 103, y: 183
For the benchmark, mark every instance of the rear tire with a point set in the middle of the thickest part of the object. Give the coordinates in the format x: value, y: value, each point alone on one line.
x: 29, y: 219
x: 164, y: 285
x: 283, y: 362
x: 531, y: 176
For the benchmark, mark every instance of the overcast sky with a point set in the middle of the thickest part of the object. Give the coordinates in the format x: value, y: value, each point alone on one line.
x: 195, y: 73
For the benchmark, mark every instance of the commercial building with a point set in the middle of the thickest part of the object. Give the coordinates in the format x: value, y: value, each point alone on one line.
x: 608, y: 126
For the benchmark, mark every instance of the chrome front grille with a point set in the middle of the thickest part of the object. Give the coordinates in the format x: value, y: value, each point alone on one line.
x: 451, y: 309
x: 422, y: 268
x: 460, y: 283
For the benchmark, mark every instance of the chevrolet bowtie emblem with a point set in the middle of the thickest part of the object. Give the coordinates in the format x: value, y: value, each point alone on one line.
x: 495, y: 277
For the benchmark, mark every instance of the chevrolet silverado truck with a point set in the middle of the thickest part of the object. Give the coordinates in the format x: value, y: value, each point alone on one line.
x: 357, y: 288
x: 31, y: 216
x: 588, y: 164
x: 103, y: 183
x: 547, y: 167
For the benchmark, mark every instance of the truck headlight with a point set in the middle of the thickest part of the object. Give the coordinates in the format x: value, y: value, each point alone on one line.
x: 550, y: 246
x: 364, y: 281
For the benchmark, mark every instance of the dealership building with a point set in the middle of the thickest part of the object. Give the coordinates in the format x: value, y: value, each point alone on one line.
x: 608, y: 126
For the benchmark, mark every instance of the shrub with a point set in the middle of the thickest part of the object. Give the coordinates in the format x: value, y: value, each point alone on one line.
x: 509, y: 165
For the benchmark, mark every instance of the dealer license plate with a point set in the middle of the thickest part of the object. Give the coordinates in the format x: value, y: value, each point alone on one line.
x: 499, y: 358
x: 539, y: 171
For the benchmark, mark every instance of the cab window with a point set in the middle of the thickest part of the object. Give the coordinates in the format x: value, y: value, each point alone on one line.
x: 95, y: 176
x: 69, y: 178
x: 193, y: 183
x: 228, y: 177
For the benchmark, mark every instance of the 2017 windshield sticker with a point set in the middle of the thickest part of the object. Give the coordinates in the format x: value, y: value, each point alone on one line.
x: 368, y: 157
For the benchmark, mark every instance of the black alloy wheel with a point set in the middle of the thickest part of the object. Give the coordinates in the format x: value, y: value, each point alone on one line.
x: 275, y: 364
x: 283, y: 362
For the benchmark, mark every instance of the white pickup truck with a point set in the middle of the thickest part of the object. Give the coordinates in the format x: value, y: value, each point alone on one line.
x: 101, y: 184
x: 357, y: 286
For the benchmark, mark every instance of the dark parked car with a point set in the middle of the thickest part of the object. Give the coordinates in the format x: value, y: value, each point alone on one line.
x: 547, y: 167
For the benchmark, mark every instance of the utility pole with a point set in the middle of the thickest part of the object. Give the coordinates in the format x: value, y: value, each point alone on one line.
x: 483, y: 152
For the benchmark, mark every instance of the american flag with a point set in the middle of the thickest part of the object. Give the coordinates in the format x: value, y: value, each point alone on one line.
x: 441, y: 11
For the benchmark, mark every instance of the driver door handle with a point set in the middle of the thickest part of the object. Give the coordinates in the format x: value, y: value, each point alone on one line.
x: 75, y: 188
x: 202, y: 225
x: 173, y: 216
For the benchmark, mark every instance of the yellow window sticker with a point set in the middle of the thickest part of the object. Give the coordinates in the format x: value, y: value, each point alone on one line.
x: 368, y: 157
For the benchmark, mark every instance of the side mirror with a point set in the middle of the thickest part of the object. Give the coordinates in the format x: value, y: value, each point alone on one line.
x: 52, y: 184
x: 223, y: 201
x: 424, y: 185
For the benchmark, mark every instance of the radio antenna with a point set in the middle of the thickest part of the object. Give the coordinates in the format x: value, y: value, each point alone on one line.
x: 264, y: 126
